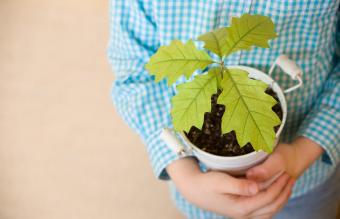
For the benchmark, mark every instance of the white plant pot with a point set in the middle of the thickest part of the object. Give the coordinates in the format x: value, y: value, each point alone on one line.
x: 237, y: 165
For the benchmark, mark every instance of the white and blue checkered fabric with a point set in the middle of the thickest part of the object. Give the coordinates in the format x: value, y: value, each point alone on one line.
x: 308, y: 34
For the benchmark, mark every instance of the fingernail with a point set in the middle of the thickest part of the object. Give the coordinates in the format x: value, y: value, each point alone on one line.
x: 253, y: 189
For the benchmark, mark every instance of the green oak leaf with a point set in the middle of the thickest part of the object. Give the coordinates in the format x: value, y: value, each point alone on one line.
x: 248, y: 110
x: 249, y: 30
x: 193, y: 100
x: 177, y: 59
x: 215, y: 41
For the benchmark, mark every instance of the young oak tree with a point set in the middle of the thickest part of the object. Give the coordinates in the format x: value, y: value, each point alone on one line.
x: 248, y: 108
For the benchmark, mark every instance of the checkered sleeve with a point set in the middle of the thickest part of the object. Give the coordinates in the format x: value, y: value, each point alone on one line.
x: 322, y: 124
x: 143, y: 104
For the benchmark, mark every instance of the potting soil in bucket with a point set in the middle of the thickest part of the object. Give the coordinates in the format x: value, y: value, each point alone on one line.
x: 210, y: 139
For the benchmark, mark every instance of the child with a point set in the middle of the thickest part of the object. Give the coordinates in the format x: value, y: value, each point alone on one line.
x: 310, y: 153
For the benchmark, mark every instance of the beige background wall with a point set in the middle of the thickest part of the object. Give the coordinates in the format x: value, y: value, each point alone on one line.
x: 64, y: 152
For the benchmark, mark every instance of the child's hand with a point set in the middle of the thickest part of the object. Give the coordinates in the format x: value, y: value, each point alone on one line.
x: 283, y: 159
x: 291, y: 158
x: 225, y: 195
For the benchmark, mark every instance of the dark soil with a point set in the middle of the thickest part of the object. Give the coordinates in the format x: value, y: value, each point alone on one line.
x: 209, y: 138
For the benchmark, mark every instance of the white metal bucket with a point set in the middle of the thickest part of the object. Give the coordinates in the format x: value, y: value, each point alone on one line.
x: 237, y: 165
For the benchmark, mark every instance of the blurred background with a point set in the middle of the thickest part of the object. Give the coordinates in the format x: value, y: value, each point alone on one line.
x: 64, y: 151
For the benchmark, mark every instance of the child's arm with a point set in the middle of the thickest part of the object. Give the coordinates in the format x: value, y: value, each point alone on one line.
x: 319, y: 133
x: 292, y: 158
x: 143, y: 104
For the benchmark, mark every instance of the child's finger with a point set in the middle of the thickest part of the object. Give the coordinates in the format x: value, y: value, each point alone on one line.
x: 267, y: 196
x: 276, y: 205
x: 266, y: 184
x: 266, y: 170
x: 230, y: 185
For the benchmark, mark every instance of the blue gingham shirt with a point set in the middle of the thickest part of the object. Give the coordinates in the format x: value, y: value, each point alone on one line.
x: 307, y: 32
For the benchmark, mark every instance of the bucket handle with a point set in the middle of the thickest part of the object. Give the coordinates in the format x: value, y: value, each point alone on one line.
x: 170, y: 138
x: 289, y: 67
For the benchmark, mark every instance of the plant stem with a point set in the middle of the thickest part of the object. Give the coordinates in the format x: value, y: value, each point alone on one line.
x: 222, y: 67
